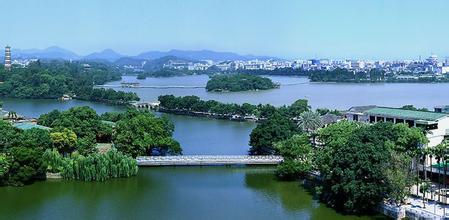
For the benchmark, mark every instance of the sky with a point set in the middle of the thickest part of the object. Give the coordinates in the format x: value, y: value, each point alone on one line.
x: 337, y: 29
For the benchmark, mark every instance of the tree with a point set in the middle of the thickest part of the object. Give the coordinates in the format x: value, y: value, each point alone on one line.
x: 64, y: 141
x: 142, y: 133
x: 27, y: 166
x: 440, y: 151
x: 36, y: 138
x: 297, y: 154
x: 54, y: 160
x: 310, y: 122
x: 298, y: 107
x: 274, y: 129
x: 4, y: 167
x: 9, y: 136
x: 363, y: 165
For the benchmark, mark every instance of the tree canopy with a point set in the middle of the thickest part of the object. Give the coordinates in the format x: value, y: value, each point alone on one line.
x: 142, y: 133
x: 239, y: 82
x: 362, y: 165
x: 275, y: 128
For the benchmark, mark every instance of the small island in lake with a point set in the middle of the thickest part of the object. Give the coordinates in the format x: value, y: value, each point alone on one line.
x: 239, y: 82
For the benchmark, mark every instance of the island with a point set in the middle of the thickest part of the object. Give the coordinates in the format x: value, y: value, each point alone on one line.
x: 239, y: 82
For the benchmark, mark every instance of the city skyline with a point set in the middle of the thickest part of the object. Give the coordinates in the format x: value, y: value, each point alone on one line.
x: 288, y: 29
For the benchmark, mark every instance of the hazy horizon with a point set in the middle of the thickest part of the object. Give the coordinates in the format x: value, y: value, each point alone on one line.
x: 286, y: 29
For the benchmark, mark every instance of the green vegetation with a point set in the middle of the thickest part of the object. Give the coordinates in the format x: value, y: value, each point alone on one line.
x: 270, y: 131
x: 372, y: 76
x: 362, y: 165
x: 344, y: 75
x: 55, y: 79
x: 278, y: 71
x: 142, y: 133
x: 21, y: 153
x: 297, y: 154
x: 70, y: 148
x: 99, y: 167
x: 212, y: 108
x: 411, y: 107
x: 239, y: 82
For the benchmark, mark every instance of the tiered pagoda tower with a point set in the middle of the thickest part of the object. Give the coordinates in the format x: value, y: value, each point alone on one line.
x: 8, y: 58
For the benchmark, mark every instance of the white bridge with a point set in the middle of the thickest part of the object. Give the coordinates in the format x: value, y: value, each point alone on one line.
x: 206, y: 160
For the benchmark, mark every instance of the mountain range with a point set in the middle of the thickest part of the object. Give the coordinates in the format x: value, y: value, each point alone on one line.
x: 110, y: 55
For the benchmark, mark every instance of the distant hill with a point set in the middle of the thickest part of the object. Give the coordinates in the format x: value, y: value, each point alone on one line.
x: 157, y: 64
x: 108, y: 55
x: 129, y: 61
x: 200, y: 55
x: 48, y: 53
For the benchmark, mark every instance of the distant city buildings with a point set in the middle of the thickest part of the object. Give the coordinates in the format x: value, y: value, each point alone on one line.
x: 401, y: 68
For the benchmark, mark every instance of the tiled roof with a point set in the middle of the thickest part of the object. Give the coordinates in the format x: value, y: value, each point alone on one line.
x: 28, y: 125
x: 405, y: 114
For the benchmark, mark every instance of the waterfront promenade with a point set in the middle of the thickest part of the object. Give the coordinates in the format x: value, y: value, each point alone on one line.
x: 206, y: 160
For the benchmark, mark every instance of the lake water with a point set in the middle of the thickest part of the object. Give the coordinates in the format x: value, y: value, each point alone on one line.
x: 330, y: 95
x: 202, y: 192
x: 169, y: 193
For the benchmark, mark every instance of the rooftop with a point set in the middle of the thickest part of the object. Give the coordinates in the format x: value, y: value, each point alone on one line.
x: 29, y: 125
x: 406, y: 114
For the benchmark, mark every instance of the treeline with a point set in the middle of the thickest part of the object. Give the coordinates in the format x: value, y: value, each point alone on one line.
x: 195, y: 104
x: 372, y: 76
x: 54, y: 79
x: 214, y: 70
x: 344, y: 75
x: 239, y: 82
x: 278, y: 71
x: 70, y: 147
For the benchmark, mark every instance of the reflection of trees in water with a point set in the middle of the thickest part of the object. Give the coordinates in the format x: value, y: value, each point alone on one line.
x: 293, y: 197
x: 83, y: 199
x: 290, y: 195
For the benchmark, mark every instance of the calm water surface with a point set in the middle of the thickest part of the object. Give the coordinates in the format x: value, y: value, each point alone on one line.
x: 169, y: 193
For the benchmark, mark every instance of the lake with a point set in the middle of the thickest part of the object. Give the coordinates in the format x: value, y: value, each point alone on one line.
x: 340, y: 96
x: 169, y: 193
x: 202, y: 192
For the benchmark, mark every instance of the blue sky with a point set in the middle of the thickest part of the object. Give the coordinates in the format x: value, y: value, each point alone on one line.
x: 384, y: 29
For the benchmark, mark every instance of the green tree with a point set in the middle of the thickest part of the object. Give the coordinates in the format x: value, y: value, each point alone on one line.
x: 297, y: 154
x: 298, y: 107
x: 143, y: 133
x: 27, y: 166
x: 310, y: 122
x: 274, y: 129
x: 363, y: 165
x: 64, y: 141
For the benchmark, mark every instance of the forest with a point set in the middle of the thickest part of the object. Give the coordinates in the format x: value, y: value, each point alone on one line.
x: 52, y: 80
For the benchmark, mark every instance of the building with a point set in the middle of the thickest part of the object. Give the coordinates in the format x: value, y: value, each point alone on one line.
x: 8, y: 58
x: 436, y: 124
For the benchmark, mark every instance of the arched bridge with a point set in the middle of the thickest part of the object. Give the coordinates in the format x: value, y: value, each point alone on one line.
x: 205, y: 160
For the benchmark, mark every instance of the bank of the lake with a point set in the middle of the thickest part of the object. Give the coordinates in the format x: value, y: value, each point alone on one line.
x: 169, y: 193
